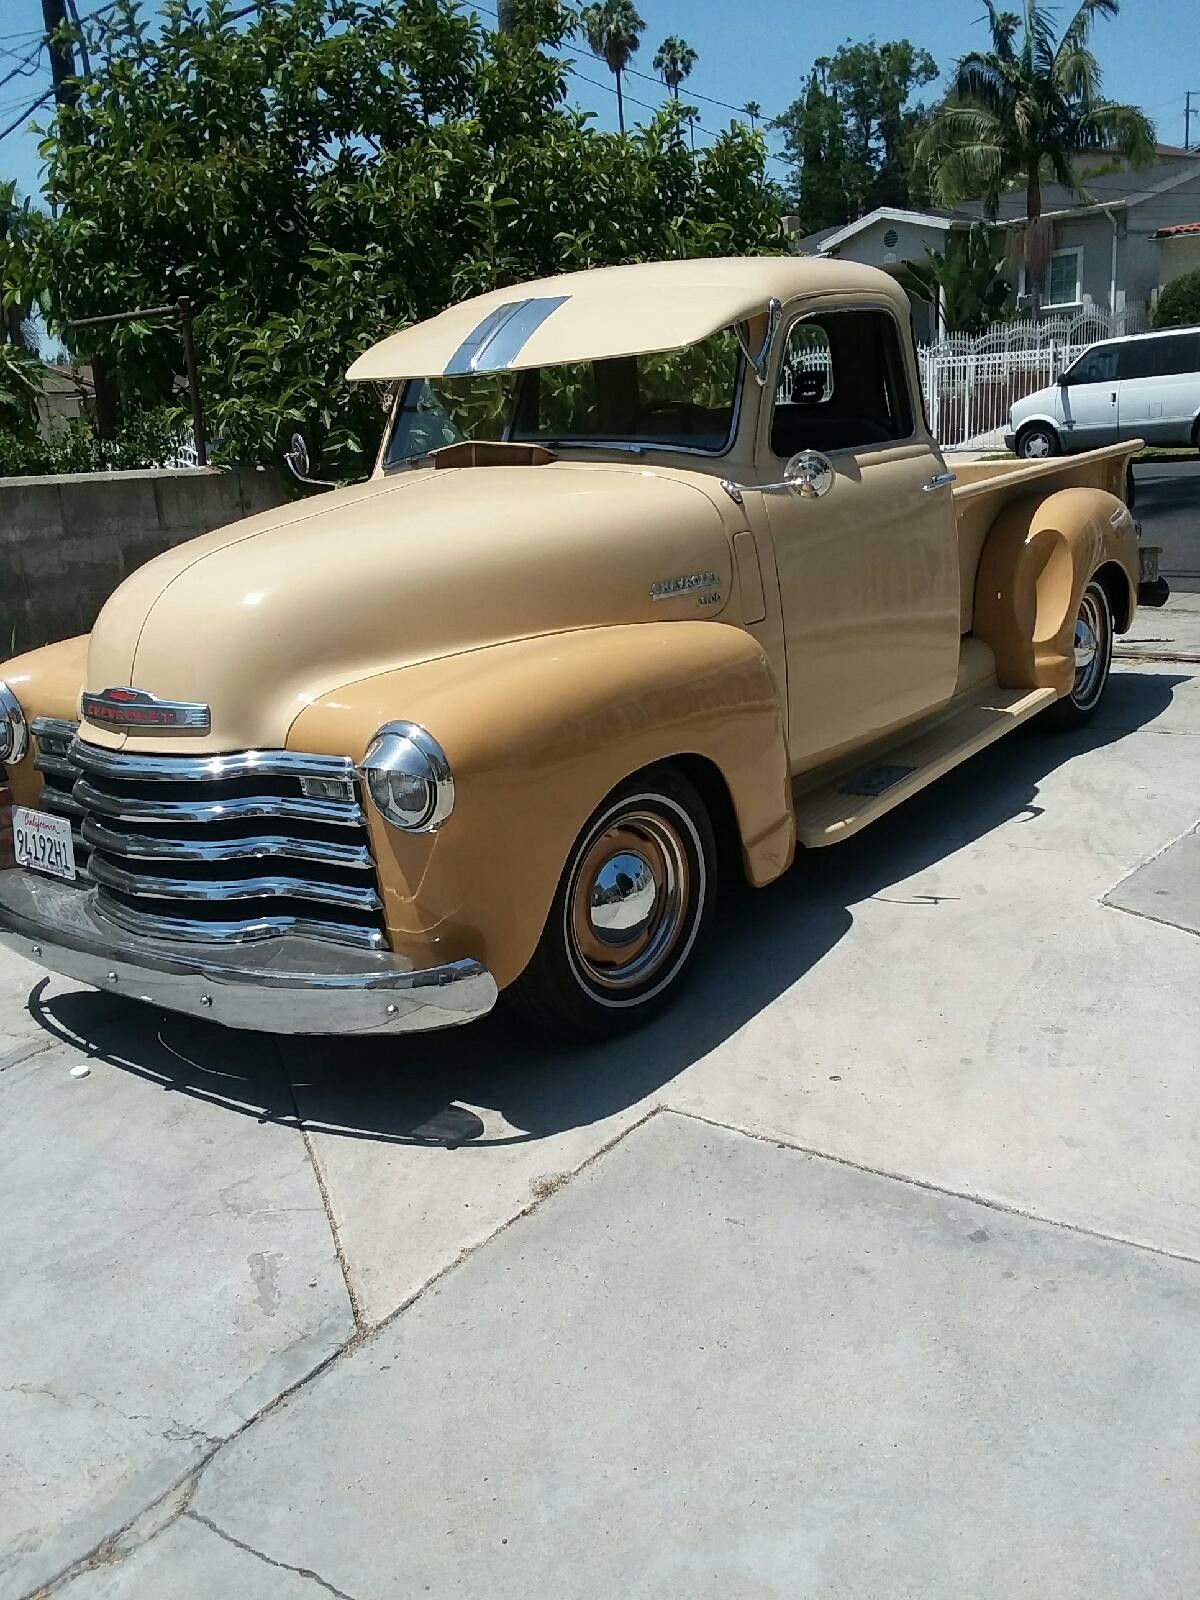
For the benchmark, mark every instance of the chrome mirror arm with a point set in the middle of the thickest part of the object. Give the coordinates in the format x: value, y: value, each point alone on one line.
x: 759, y: 358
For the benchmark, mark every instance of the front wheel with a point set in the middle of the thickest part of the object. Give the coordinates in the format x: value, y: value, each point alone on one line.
x: 631, y: 906
x: 1093, y: 659
x: 1038, y: 442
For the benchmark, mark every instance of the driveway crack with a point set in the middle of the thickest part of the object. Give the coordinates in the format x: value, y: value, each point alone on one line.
x: 360, y: 1323
x: 284, y: 1566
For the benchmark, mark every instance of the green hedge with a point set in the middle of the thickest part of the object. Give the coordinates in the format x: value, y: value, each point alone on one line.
x: 147, y: 440
x: 1179, y: 303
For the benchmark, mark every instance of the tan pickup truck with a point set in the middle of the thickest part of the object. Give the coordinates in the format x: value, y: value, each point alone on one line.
x: 659, y: 568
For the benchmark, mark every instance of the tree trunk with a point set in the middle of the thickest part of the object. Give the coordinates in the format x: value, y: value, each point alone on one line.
x: 106, y: 397
x: 504, y: 17
x: 620, y: 102
x: 1033, y: 215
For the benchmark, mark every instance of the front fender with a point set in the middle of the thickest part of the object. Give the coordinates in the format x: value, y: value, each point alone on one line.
x: 537, y: 733
x: 48, y: 683
x: 1036, y: 562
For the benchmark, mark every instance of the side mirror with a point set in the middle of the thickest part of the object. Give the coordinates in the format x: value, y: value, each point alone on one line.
x: 297, y: 458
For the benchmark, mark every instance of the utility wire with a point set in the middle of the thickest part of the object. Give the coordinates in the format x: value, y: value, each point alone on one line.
x: 28, y: 111
x: 30, y: 62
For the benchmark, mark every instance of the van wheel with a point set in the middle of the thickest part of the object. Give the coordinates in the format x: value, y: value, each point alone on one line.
x: 1093, y: 659
x: 1037, y: 442
x: 632, y: 904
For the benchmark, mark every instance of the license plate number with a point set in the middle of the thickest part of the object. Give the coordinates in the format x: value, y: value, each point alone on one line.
x: 43, y: 843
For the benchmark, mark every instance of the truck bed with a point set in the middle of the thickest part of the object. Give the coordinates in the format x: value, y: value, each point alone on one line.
x: 983, y: 488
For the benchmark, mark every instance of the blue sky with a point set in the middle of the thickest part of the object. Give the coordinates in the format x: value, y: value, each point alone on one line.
x: 761, y: 50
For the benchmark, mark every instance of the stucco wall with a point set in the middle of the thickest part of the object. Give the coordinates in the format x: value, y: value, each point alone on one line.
x: 67, y: 542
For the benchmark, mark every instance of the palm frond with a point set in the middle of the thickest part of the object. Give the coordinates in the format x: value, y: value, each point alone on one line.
x: 1077, y: 74
x: 1127, y: 128
x: 1078, y: 30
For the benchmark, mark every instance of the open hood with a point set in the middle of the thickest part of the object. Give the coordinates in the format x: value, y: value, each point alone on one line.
x: 580, y: 316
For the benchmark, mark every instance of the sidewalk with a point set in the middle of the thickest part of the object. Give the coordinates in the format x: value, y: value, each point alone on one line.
x: 872, y: 1269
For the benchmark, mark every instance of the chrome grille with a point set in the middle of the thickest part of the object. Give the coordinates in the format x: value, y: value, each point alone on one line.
x: 59, y: 773
x: 239, y: 846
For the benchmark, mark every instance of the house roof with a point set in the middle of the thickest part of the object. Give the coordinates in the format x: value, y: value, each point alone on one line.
x: 1179, y: 228
x: 1102, y: 191
x: 919, y: 219
x: 605, y: 313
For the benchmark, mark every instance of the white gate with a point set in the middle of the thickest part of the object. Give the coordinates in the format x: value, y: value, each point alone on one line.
x: 971, y: 383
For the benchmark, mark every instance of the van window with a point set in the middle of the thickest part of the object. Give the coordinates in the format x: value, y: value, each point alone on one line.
x: 1161, y: 358
x: 841, y: 384
x: 1098, y: 365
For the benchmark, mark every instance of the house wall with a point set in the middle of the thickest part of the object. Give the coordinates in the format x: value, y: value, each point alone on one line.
x: 869, y: 248
x: 1179, y: 255
x: 1141, y: 261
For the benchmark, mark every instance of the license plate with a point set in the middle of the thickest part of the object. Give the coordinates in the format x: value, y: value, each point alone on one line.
x: 43, y: 842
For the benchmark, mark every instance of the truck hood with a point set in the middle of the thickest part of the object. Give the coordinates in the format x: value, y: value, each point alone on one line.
x: 259, y: 619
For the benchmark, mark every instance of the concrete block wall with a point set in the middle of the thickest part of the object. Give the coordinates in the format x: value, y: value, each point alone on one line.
x: 66, y: 542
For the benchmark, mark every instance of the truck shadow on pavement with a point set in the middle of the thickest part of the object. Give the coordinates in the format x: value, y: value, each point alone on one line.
x: 421, y: 1090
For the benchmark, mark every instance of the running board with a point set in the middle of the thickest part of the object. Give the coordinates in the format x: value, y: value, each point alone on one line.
x: 848, y: 802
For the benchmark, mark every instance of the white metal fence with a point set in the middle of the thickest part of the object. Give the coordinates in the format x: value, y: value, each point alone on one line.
x: 971, y: 383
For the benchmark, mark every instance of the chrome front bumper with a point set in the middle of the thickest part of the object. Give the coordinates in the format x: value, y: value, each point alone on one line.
x: 288, y: 984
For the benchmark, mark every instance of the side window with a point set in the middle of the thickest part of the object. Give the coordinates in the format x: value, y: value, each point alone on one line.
x: 1095, y: 366
x: 1161, y: 358
x: 841, y: 385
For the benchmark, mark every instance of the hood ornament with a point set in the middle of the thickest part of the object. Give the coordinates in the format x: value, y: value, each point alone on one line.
x: 136, y: 711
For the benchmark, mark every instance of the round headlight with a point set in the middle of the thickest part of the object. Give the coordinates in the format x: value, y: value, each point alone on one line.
x: 408, y: 777
x: 14, y: 731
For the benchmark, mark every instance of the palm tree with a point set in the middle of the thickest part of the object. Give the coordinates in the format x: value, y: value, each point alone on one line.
x: 674, y: 62
x: 754, y: 111
x: 1025, y: 109
x: 613, y: 31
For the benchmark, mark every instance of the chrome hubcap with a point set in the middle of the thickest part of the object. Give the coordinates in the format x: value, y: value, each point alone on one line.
x: 622, y: 898
x: 628, y: 902
x: 1091, y: 650
x: 1036, y: 445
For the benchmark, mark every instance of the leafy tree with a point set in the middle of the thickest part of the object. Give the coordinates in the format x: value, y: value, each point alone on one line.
x: 1024, y: 110
x: 754, y: 111
x: 324, y: 171
x: 1179, y: 302
x: 20, y: 388
x: 16, y: 301
x: 613, y: 30
x: 970, y: 275
x: 674, y: 61
x: 850, y: 138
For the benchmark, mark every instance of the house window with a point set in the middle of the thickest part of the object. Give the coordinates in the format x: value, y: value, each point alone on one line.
x: 1062, y: 281
x: 1061, y: 285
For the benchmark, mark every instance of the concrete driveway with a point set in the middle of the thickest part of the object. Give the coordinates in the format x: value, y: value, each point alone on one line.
x: 870, y: 1270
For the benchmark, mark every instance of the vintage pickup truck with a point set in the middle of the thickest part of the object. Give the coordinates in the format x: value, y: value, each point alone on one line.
x: 659, y: 568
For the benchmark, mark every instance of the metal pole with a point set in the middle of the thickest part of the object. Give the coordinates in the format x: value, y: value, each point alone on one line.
x: 189, y: 356
x: 1187, y: 121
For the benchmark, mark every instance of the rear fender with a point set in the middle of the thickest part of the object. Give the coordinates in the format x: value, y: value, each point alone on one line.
x: 537, y: 733
x: 1037, y: 559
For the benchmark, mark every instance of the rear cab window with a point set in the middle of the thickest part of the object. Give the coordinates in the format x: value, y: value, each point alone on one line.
x: 841, y: 385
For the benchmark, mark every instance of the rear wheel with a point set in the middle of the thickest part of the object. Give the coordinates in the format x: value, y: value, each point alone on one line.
x: 1093, y: 658
x: 634, y: 898
x: 1037, y: 442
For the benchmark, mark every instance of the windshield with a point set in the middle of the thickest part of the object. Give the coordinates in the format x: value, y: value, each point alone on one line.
x: 676, y: 399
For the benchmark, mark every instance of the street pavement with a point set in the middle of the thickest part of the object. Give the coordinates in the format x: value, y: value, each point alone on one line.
x: 870, y: 1270
x: 1167, y: 504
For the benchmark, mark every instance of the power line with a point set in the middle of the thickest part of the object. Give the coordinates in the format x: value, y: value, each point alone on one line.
x: 30, y: 62
x: 28, y: 111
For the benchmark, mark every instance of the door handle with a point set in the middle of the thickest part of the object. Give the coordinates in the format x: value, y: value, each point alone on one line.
x: 938, y: 481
